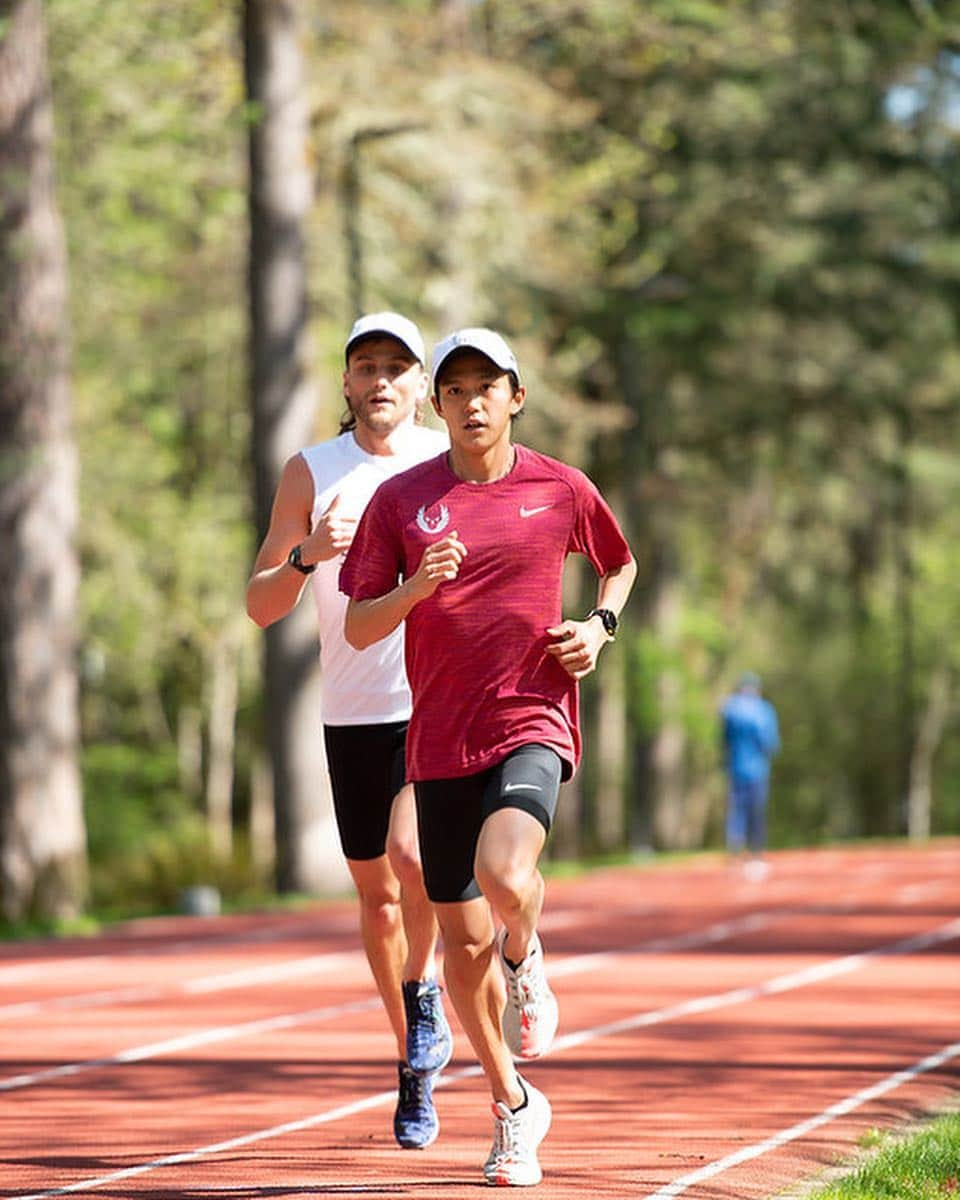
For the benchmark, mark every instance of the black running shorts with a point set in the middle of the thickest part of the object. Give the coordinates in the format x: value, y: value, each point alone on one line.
x: 450, y: 813
x: 366, y: 765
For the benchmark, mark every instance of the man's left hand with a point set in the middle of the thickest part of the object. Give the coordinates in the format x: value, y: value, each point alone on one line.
x: 577, y: 645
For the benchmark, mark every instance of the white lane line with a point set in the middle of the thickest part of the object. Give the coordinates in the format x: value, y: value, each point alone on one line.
x: 188, y: 1041
x: 771, y: 987
x: 583, y: 962
x: 30, y: 968
x: 840, y: 1109
x: 908, y: 894
x: 271, y: 972
x: 246, y: 1139
x: 702, y: 1004
x: 248, y: 977
x: 722, y: 931
x: 125, y: 995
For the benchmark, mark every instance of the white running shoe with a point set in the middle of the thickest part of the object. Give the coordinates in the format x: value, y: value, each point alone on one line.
x: 531, y: 1015
x: 516, y: 1136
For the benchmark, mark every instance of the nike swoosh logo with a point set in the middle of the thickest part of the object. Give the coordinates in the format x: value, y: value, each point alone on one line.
x: 532, y: 512
x: 525, y: 787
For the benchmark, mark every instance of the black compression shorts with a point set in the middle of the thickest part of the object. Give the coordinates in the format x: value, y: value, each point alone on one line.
x: 450, y: 813
x: 366, y: 764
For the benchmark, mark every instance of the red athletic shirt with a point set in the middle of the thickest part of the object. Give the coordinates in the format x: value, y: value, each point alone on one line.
x: 481, y: 680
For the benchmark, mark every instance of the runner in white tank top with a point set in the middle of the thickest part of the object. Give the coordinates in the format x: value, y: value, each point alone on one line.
x: 360, y: 687
x: 321, y: 496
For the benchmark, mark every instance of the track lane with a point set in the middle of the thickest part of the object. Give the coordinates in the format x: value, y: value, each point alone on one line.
x: 785, y: 922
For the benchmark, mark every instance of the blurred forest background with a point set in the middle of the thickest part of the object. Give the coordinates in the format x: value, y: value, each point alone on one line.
x: 724, y: 239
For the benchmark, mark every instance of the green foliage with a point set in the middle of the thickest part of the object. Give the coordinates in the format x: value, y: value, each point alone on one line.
x: 147, y: 841
x: 724, y: 239
x: 763, y: 265
x: 921, y: 1166
x: 130, y: 790
x: 151, y: 169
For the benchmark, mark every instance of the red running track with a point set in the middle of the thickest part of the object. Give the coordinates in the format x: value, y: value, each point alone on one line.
x: 720, y: 1039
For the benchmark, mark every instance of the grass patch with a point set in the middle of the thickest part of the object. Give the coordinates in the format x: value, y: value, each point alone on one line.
x: 921, y: 1166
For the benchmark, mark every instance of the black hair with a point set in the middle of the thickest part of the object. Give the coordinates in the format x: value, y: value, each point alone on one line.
x: 511, y: 375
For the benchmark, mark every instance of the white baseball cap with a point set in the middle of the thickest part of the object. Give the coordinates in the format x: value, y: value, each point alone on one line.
x: 487, y: 341
x: 392, y: 325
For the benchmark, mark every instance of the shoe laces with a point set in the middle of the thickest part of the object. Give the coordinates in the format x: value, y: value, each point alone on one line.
x: 528, y: 984
x: 426, y: 1016
x: 412, y: 1089
x: 508, y: 1140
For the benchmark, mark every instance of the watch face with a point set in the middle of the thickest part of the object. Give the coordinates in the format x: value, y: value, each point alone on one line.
x: 608, y: 619
x: 295, y: 561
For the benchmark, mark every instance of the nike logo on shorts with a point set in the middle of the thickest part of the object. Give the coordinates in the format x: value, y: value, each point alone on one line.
x: 525, y: 787
x: 532, y: 512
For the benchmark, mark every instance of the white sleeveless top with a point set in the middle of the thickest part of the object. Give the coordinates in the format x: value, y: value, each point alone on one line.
x: 360, y: 687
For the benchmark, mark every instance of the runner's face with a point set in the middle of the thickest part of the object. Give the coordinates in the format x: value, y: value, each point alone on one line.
x: 383, y: 384
x: 476, y: 399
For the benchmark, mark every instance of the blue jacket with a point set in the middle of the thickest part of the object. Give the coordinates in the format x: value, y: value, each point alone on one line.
x: 751, y: 736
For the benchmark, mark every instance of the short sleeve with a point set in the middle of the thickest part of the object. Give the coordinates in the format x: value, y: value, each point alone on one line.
x: 596, y: 532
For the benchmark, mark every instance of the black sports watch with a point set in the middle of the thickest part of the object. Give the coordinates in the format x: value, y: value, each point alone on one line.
x: 295, y: 561
x: 609, y: 619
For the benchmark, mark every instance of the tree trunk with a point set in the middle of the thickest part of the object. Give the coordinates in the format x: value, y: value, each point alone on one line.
x: 566, y: 833
x: 190, y: 751
x: 657, y: 811
x: 897, y: 821
x: 283, y: 402
x: 610, y: 723
x: 261, y: 829
x: 42, y: 837
x: 929, y: 736
x: 223, y: 673
x: 610, y: 749
x: 671, y: 824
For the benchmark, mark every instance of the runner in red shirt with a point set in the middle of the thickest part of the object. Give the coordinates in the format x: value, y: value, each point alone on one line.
x: 468, y: 548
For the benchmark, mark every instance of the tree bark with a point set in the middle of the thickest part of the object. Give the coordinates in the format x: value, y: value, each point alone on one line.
x: 929, y: 736
x: 224, y: 687
x: 43, y: 861
x: 658, y: 811
x: 671, y: 823
x: 283, y: 403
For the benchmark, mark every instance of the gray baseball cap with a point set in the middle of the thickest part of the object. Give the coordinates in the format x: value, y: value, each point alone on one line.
x: 487, y: 341
x: 392, y: 325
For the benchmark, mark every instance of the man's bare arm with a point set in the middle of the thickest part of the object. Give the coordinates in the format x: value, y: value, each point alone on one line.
x: 368, y: 621
x: 578, y: 643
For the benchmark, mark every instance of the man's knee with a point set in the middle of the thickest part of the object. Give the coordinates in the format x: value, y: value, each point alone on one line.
x: 505, y: 880
x: 404, y: 856
x: 378, y: 889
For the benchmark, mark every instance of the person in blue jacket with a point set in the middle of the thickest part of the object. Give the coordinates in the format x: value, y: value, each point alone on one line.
x: 751, y: 737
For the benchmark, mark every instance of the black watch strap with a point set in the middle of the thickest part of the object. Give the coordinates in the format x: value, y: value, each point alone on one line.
x: 609, y: 619
x: 295, y: 561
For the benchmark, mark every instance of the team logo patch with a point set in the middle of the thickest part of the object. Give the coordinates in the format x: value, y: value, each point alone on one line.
x: 433, y: 524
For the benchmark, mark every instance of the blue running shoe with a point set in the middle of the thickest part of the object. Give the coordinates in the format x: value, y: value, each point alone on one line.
x: 415, y: 1123
x: 429, y: 1043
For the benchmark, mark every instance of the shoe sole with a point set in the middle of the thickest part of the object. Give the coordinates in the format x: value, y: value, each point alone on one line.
x: 418, y: 1145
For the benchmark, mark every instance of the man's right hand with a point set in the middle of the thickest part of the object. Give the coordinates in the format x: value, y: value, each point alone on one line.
x: 332, y: 536
x: 440, y: 562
